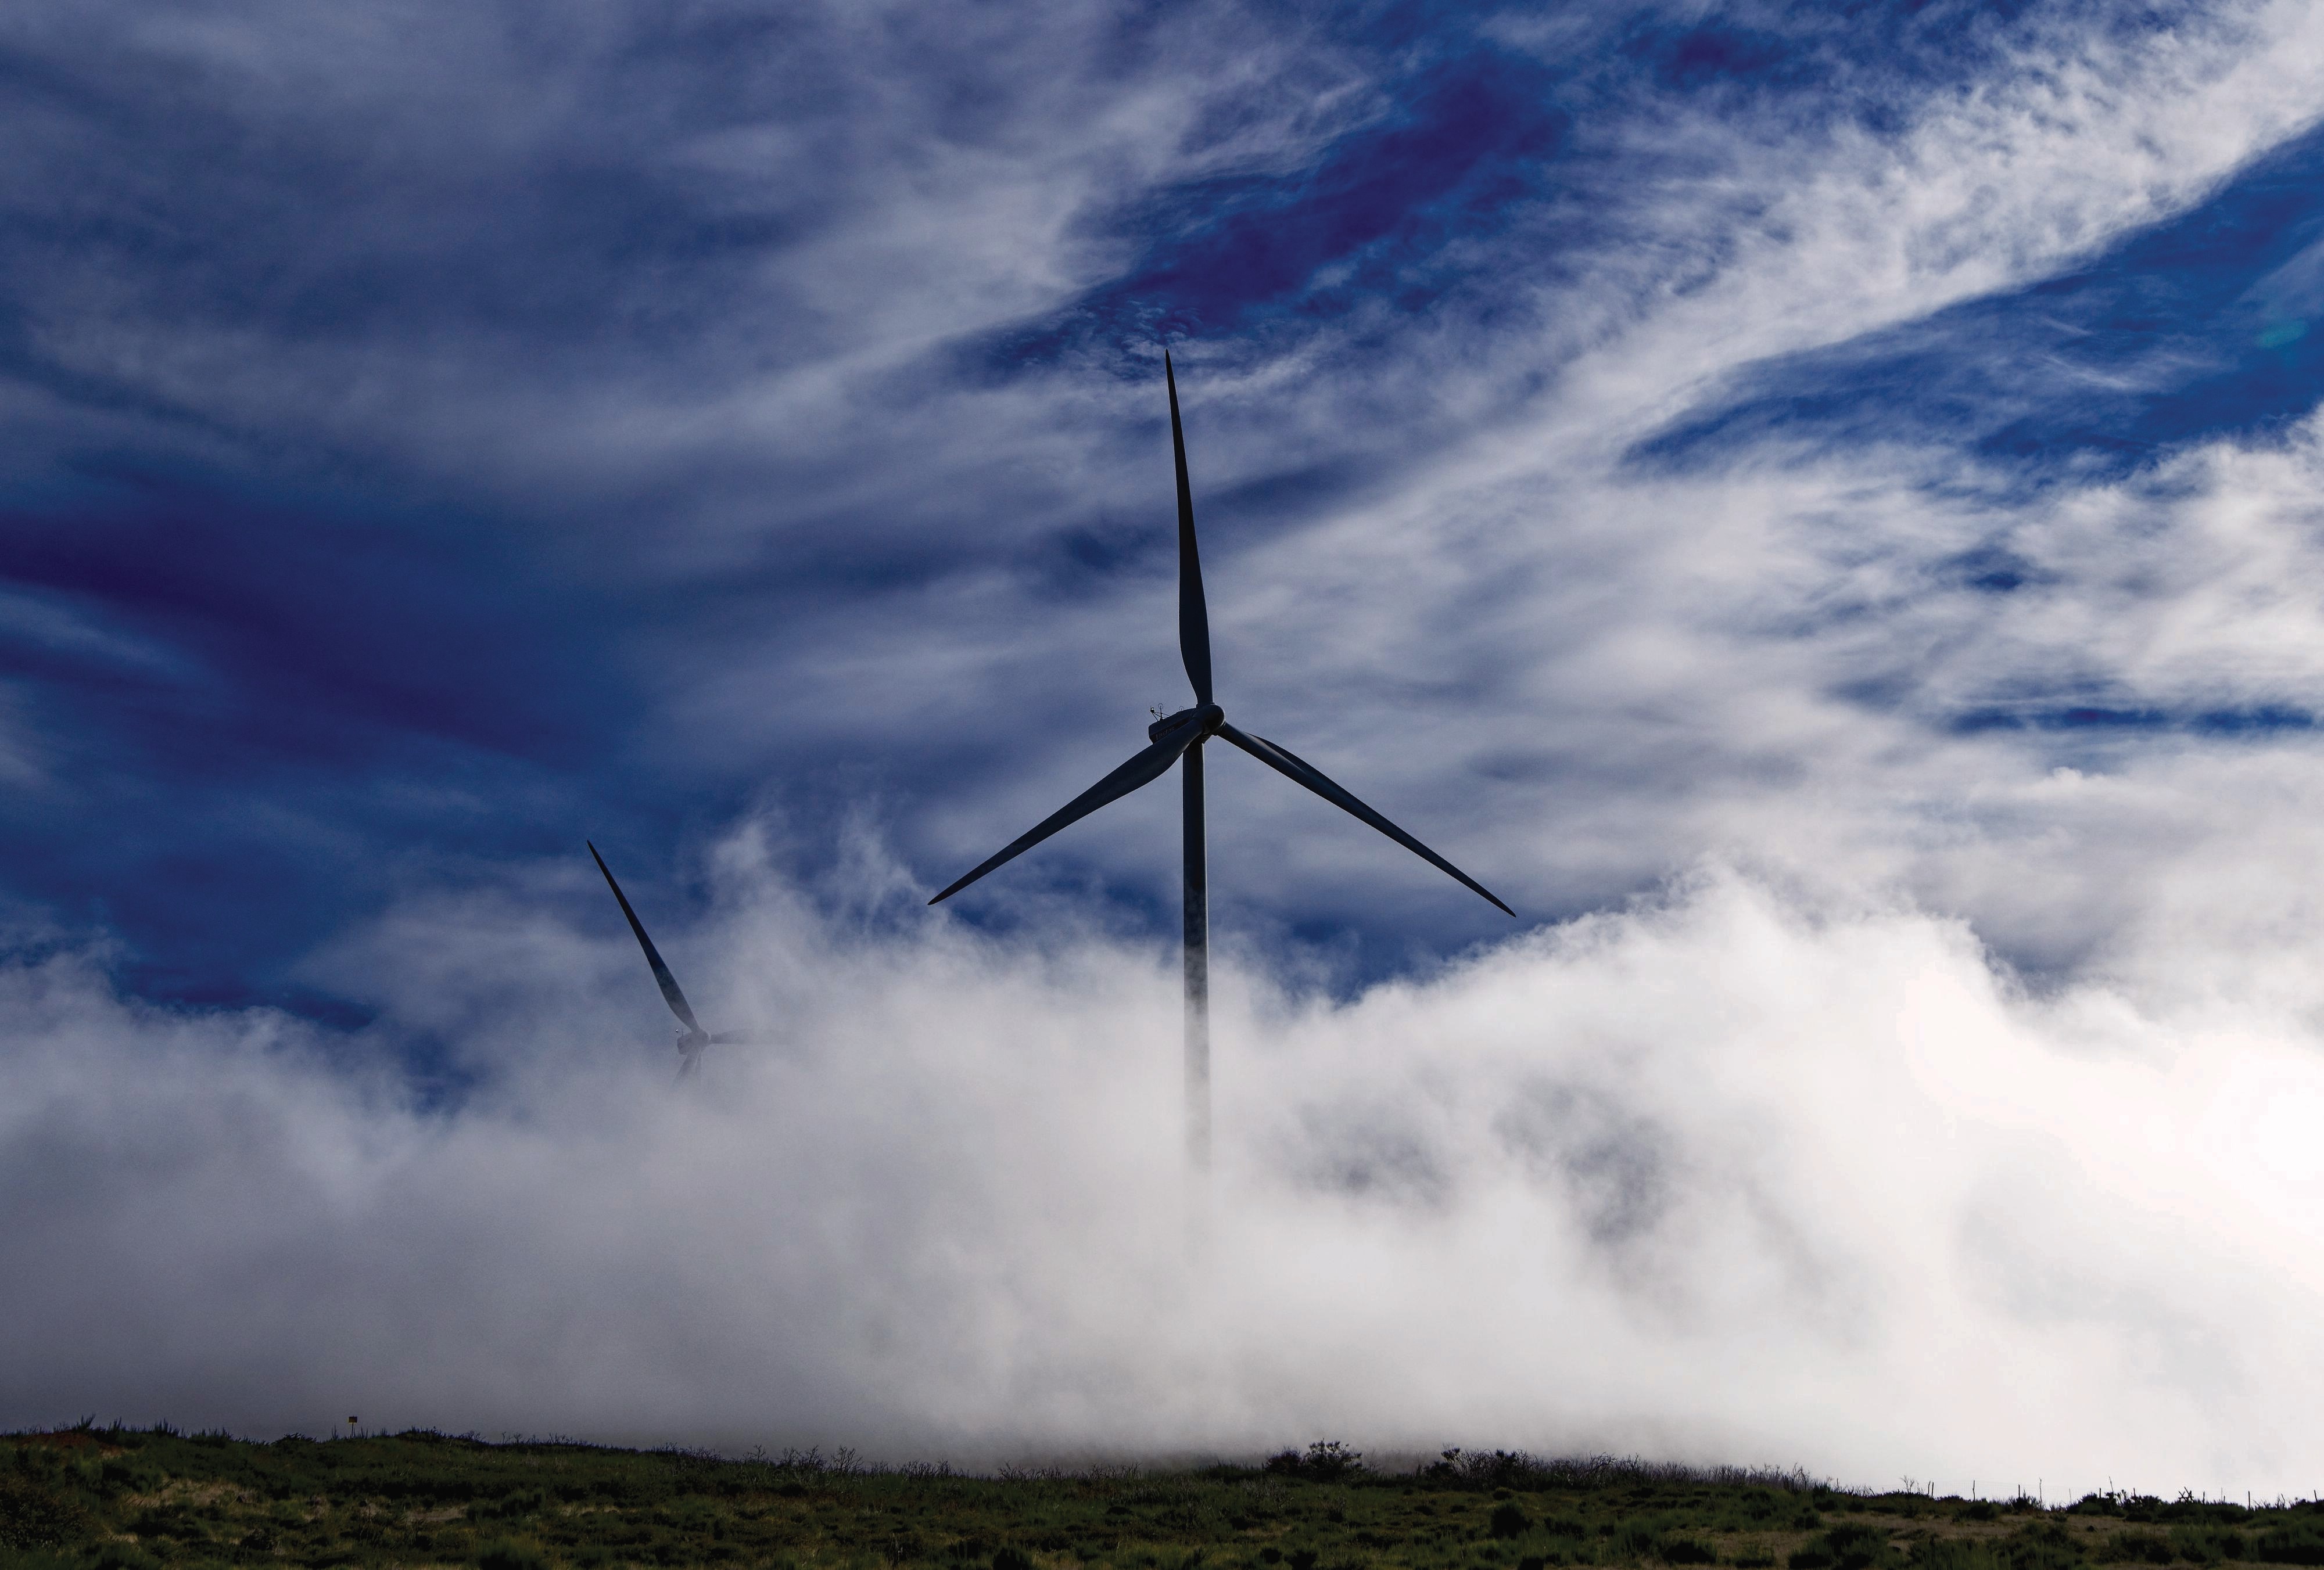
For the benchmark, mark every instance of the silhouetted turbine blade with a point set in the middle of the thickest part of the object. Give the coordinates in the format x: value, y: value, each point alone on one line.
x: 687, y: 1063
x: 1143, y: 770
x: 669, y: 992
x: 1314, y: 779
x: 1194, y: 615
x: 738, y: 1038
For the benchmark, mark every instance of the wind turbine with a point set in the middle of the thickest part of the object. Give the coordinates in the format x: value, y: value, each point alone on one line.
x: 691, y: 1037
x: 1179, y: 739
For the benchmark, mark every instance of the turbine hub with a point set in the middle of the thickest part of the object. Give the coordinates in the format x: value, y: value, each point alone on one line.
x: 1208, y: 716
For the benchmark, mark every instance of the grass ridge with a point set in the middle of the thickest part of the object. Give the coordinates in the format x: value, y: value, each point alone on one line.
x: 91, y: 1498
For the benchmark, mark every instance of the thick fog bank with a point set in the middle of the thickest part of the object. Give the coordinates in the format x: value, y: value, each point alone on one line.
x: 1725, y: 1178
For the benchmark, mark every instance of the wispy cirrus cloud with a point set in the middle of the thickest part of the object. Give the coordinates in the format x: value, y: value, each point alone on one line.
x: 594, y: 442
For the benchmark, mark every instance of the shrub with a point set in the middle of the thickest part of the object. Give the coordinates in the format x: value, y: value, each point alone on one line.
x: 514, y: 1505
x: 1012, y: 1559
x: 1508, y: 1519
x: 2207, y: 1545
x: 1850, y: 1546
x: 510, y: 1554
x: 1688, y: 1551
x: 2041, y: 1547
x: 1326, y: 1461
x: 1635, y: 1541
x: 2139, y: 1548
x: 124, y: 1556
x: 1953, y: 1553
x: 2294, y: 1543
x: 33, y: 1515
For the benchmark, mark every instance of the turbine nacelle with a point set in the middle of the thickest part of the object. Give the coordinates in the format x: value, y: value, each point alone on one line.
x: 691, y: 1037
x: 1208, y: 716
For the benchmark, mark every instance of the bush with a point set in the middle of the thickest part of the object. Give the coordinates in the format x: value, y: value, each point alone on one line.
x: 2139, y: 1548
x: 1326, y: 1461
x: 40, y: 1559
x: 124, y: 1556
x: 2043, y: 1547
x: 1953, y: 1553
x: 2297, y: 1543
x: 1635, y: 1541
x: 1012, y: 1559
x: 32, y: 1515
x: 1850, y: 1546
x: 1508, y: 1519
x: 510, y: 1554
x: 1688, y: 1551
x: 2207, y: 1545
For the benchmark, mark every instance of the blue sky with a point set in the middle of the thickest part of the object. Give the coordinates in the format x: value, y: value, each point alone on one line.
x: 1867, y: 452
x: 311, y: 596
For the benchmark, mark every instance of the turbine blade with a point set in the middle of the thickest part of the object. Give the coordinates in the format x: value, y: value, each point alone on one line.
x: 1141, y: 770
x: 669, y: 992
x: 739, y: 1038
x: 1295, y: 767
x: 1193, y: 614
x: 687, y: 1062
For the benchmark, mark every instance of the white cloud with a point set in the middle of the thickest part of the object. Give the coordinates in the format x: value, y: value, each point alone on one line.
x: 1724, y: 1177
x: 1782, y: 1167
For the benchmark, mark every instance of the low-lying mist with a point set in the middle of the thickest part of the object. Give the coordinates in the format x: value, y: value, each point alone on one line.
x: 1726, y: 1177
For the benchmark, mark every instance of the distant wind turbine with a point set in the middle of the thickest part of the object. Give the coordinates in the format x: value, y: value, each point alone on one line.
x: 691, y: 1037
x: 1179, y: 739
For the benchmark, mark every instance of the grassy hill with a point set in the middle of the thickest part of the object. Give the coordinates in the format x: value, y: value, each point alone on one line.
x: 89, y: 1497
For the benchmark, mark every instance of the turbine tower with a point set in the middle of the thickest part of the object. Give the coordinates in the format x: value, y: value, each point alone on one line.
x: 1179, y: 739
x: 691, y: 1037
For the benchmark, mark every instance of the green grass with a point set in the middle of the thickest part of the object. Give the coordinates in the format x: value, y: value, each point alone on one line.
x: 88, y: 1497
